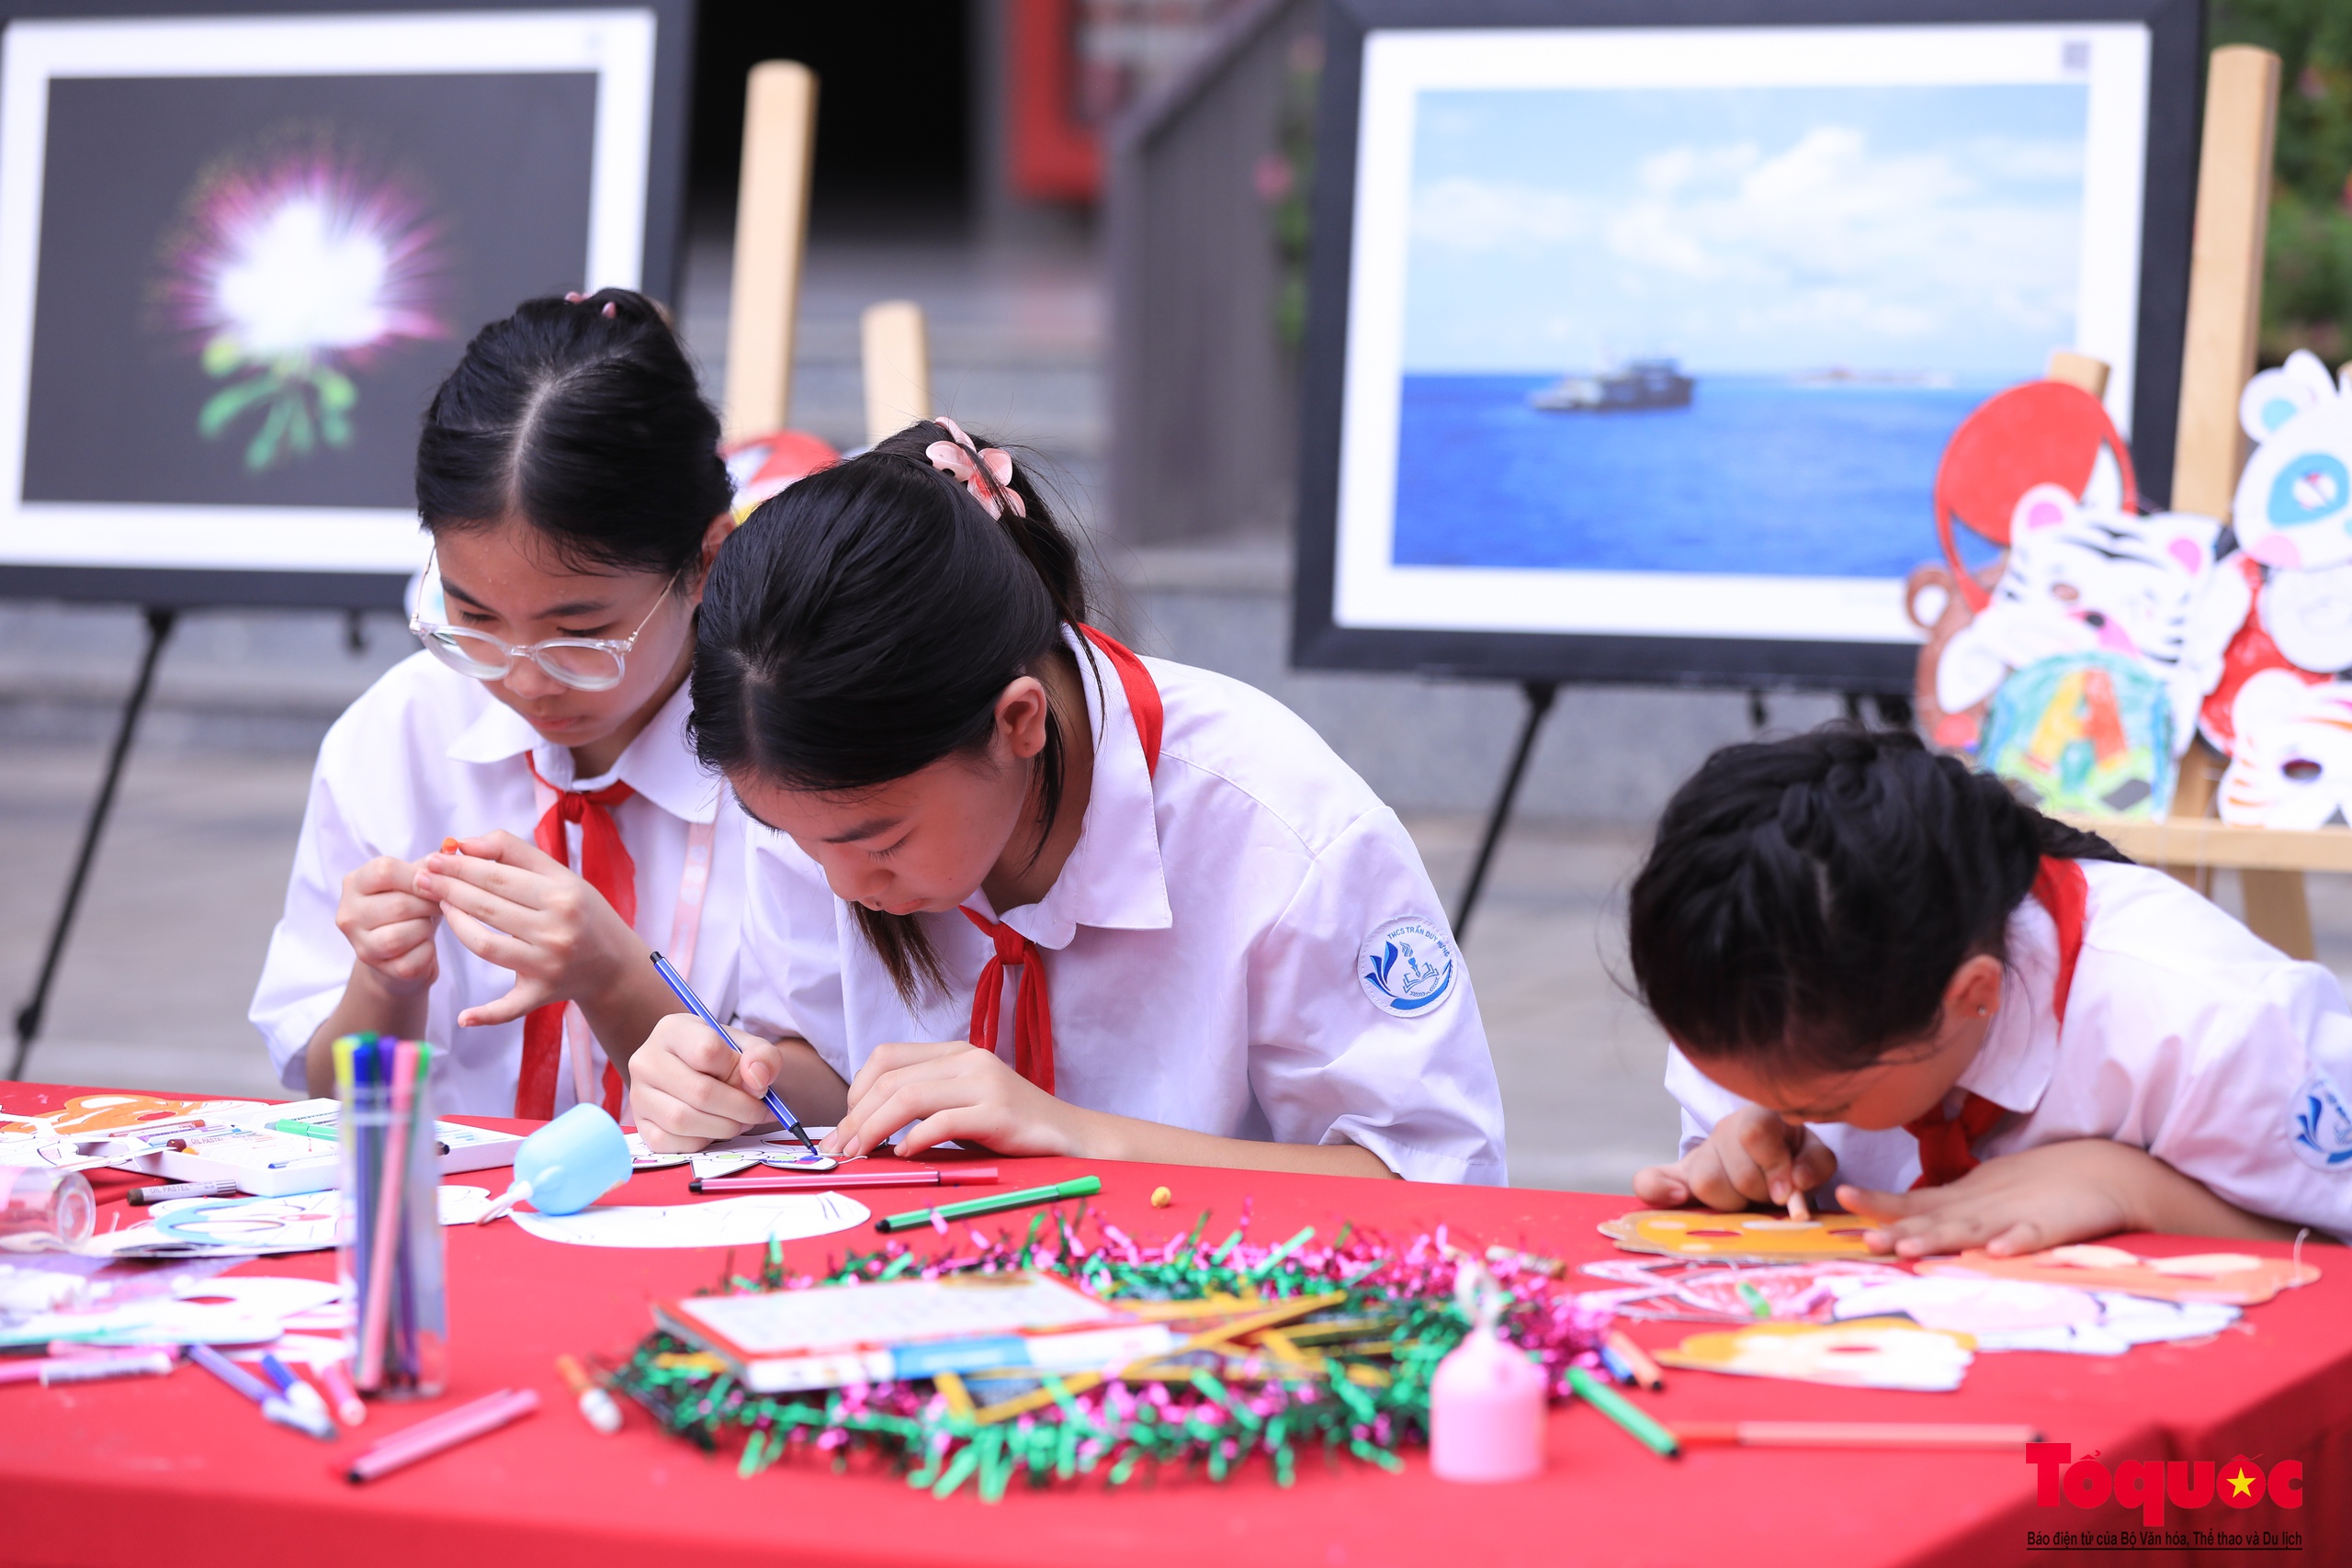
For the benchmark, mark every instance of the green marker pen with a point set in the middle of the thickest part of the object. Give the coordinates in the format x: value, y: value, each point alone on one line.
x: 1080, y: 1187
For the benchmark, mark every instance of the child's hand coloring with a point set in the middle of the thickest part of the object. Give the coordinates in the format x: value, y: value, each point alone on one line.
x: 2022, y: 1203
x: 1752, y: 1156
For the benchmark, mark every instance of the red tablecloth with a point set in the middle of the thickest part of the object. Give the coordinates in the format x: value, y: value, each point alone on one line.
x: 183, y: 1471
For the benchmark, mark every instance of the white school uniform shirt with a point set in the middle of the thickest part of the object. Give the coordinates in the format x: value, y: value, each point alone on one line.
x: 427, y: 753
x: 2185, y: 1035
x: 1206, y: 947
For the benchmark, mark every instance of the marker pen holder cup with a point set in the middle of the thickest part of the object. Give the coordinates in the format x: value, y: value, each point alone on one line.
x: 44, y: 1210
x: 388, y: 1237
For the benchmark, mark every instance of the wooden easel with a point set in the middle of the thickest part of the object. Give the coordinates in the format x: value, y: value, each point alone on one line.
x: 2224, y: 313
x: 770, y: 247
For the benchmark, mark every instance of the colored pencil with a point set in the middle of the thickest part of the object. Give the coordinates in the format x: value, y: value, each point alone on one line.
x: 1080, y: 1187
x: 834, y: 1180
x: 1645, y: 1370
x: 274, y: 1406
x: 773, y: 1101
x: 1637, y: 1421
x: 141, y: 1197
x: 374, y: 1326
x: 1853, y: 1434
x: 443, y: 1432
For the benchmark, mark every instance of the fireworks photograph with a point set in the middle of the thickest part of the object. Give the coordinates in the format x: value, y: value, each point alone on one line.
x: 265, y: 301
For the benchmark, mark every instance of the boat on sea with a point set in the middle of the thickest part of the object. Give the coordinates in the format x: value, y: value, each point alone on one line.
x: 1641, y: 384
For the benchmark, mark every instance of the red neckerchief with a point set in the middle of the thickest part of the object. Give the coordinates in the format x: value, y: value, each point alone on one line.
x: 604, y: 865
x: 1033, y: 1014
x: 1945, y: 1142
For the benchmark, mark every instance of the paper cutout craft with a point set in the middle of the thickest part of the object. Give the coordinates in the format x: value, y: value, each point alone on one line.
x: 2208, y: 1277
x: 1764, y: 1239
x: 2019, y: 1314
x: 229, y: 1310
x: 2293, y: 507
x: 1673, y: 1288
x: 104, y: 1112
x: 749, y: 1221
x: 2292, y: 762
x: 2083, y: 578
x: 254, y: 1227
x: 2088, y: 732
x: 1877, y: 1352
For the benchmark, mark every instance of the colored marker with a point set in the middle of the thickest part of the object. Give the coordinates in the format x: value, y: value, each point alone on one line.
x: 144, y: 1196
x: 1755, y: 1300
x: 1645, y: 1370
x: 443, y: 1432
x: 298, y: 1393
x: 336, y: 1375
x: 1619, y: 1368
x: 306, y: 1130
x: 596, y: 1407
x: 88, y: 1365
x: 1624, y: 1411
x: 775, y: 1102
x: 1854, y: 1435
x: 275, y: 1406
x: 836, y: 1180
x: 1081, y: 1187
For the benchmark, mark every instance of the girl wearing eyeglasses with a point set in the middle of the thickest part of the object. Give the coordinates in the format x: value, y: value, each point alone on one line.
x: 502, y: 828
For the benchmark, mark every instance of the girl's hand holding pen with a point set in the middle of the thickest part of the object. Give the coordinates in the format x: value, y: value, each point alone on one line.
x: 689, y: 1089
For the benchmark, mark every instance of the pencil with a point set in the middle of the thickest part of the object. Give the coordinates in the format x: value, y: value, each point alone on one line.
x: 1853, y: 1434
x: 1645, y: 1370
x: 1637, y: 1421
x: 1084, y: 1186
x: 836, y: 1180
x: 442, y: 1432
x: 775, y: 1102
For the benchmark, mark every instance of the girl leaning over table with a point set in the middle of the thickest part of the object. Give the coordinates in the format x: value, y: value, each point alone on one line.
x: 569, y: 478
x: 1174, y: 924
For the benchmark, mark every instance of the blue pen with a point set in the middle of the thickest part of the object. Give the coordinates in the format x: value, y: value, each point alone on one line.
x: 677, y: 982
x: 275, y: 1405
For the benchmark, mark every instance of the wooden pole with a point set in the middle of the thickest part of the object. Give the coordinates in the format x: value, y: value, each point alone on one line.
x: 770, y: 233
x: 2225, y: 276
x: 2217, y: 359
x: 2077, y: 371
x: 896, y: 349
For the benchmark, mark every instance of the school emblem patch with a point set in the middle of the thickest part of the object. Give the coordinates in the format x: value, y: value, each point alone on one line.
x: 1407, y: 968
x: 2323, y: 1125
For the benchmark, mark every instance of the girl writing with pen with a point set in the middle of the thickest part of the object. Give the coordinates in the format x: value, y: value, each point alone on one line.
x: 1014, y: 886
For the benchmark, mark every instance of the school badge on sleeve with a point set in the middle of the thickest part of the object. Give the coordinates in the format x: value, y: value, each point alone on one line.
x: 2323, y: 1125
x: 1408, y: 968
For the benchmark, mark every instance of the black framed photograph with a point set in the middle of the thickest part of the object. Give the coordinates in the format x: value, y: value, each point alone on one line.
x: 237, y: 254
x: 1634, y: 347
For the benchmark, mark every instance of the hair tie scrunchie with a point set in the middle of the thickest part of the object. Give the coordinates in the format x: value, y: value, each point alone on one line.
x: 986, y: 471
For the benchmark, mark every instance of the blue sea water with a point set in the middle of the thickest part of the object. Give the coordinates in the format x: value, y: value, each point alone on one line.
x: 1756, y: 477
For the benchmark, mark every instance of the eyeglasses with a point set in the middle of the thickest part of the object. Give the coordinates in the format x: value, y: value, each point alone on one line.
x: 585, y: 664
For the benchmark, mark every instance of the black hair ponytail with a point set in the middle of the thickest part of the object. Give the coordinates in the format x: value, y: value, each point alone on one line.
x: 582, y: 416
x: 1807, y: 900
x: 861, y: 625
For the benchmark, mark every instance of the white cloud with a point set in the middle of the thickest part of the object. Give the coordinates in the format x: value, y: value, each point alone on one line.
x: 1483, y: 214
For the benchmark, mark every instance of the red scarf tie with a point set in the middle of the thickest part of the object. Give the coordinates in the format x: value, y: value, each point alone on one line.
x: 1032, y: 1013
x: 605, y: 865
x: 1945, y: 1151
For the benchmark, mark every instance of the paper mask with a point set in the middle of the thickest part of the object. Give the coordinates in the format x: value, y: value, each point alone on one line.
x: 1764, y: 1239
x: 2293, y: 507
x: 2087, y: 732
x: 2291, y: 765
x: 2018, y: 1315
x: 2082, y: 578
x: 2239, y: 1279
x: 1878, y: 1352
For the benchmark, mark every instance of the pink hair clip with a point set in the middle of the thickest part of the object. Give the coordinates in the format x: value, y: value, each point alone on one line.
x: 986, y: 471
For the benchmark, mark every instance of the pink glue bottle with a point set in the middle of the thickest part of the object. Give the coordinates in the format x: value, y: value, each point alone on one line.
x: 1486, y: 1399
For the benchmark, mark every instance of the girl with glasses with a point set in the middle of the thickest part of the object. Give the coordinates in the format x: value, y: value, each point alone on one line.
x: 505, y: 824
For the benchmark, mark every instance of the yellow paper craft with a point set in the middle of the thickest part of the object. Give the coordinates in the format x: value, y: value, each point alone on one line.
x: 1868, y: 1352
x: 1737, y: 1239
x: 2238, y: 1278
x: 104, y: 1112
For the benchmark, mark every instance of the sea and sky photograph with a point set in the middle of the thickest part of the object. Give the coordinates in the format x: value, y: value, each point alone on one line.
x: 1721, y: 330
